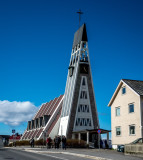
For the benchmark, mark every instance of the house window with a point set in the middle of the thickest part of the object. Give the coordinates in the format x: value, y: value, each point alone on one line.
x: 131, y: 108
x: 118, y: 131
x: 117, y: 111
x: 123, y: 90
x: 132, y: 129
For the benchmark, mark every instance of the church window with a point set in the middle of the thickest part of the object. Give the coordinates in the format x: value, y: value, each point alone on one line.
x: 87, y: 108
x: 83, y: 122
x: 83, y: 95
x: 79, y: 108
x: 83, y: 82
x: 76, y: 58
x: 89, y: 122
x: 80, y: 122
x: 76, y: 123
x: 83, y: 108
x: 73, y: 60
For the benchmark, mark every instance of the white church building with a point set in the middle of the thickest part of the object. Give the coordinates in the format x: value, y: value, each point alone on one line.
x: 73, y: 114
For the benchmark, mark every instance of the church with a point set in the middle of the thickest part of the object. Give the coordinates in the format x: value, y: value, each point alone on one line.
x: 73, y: 114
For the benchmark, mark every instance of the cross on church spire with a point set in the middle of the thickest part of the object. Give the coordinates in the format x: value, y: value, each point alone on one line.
x: 79, y: 12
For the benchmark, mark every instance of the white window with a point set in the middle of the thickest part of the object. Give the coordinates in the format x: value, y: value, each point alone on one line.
x: 132, y: 129
x: 123, y: 90
x: 131, y: 108
x: 117, y: 111
x: 118, y: 131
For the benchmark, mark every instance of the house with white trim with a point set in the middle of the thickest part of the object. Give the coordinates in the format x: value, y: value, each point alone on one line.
x: 127, y: 112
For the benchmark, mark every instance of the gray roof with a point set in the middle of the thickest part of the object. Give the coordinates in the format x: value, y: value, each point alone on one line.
x: 80, y: 35
x: 136, y: 85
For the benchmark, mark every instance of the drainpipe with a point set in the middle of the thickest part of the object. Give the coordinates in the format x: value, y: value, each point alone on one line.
x: 141, y: 116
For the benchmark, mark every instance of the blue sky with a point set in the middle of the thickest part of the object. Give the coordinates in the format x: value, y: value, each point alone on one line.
x: 36, y: 42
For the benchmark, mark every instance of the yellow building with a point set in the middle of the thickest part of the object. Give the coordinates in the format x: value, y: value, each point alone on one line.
x: 127, y: 112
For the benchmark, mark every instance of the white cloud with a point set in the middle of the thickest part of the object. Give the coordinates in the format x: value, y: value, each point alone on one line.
x: 14, y: 113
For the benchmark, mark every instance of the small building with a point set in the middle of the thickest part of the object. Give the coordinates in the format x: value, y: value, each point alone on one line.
x: 14, y: 138
x: 127, y: 112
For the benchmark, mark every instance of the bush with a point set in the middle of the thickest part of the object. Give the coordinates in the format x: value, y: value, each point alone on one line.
x: 27, y: 143
x: 40, y: 142
x: 74, y: 143
x: 71, y: 143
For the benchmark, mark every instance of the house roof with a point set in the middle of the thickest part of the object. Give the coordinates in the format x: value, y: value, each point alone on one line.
x: 80, y: 35
x: 135, y: 85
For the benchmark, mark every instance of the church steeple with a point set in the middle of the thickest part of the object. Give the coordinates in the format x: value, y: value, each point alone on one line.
x: 79, y: 110
x: 80, y: 35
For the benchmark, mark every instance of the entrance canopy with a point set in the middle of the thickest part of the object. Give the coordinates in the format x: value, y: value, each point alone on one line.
x: 103, y: 131
x: 97, y: 132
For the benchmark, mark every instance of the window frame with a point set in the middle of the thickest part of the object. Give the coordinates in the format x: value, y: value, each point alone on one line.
x: 120, y: 131
x: 116, y: 111
x: 132, y: 125
x: 123, y: 90
x: 129, y: 108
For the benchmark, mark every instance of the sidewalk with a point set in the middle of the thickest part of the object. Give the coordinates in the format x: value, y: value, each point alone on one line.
x: 97, y: 154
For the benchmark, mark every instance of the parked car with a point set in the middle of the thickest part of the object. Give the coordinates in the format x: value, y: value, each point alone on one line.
x: 120, y: 148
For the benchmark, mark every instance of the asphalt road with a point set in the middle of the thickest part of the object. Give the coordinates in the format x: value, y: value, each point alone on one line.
x: 21, y: 155
x: 14, y: 154
x: 70, y: 154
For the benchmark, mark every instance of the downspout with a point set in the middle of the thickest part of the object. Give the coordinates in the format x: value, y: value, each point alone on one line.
x: 141, y: 116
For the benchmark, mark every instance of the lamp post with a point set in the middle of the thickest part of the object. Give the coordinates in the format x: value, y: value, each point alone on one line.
x: 13, y: 131
x: 43, y: 138
x: 99, y: 131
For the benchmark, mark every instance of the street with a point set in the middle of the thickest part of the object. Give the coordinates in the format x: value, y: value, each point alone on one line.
x: 25, y: 153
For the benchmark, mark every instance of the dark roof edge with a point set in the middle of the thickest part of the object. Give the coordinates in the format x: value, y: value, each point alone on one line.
x: 132, y: 80
x: 80, y: 35
x: 124, y: 80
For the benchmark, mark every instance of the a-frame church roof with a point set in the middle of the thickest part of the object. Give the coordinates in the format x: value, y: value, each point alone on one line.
x: 44, y: 120
x: 80, y: 35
